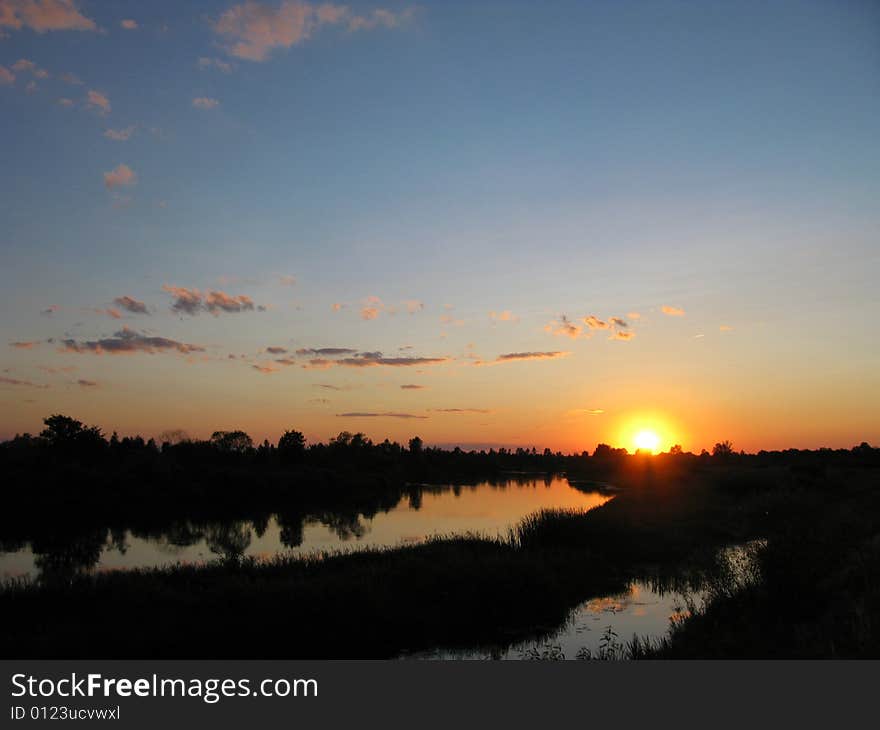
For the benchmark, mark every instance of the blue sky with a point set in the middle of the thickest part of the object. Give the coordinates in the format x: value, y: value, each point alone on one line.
x: 544, y: 160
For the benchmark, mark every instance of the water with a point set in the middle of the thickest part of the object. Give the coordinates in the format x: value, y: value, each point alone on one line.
x: 423, y: 511
x: 596, y: 626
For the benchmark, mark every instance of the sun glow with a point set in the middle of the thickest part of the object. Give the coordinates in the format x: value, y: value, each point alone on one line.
x: 647, y: 440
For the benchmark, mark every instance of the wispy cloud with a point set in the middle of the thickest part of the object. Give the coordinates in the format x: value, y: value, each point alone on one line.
x: 252, y: 30
x: 83, y: 383
x: 29, y: 345
x: 371, y: 308
x: 503, y: 316
x: 622, y: 336
x: 513, y: 356
x: 25, y: 383
x: 129, y: 24
x: 325, y: 351
x: 411, y: 386
x: 204, y: 63
x: 50, y: 310
x: 98, y: 101
x: 23, y: 65
x: 130, y: 304
x: 7, y: 78
x: 42, y: 16
x: 672, y: 311
x: 594, y: 323
x: 725, y: 328
x: 459, y: 411
x: 274, y: 350
x: 121, y: 176
x: 587, y: 412
x: 205, y: 102
x: 120, y: 135
x: 128, y: 341
x: 564, y: 327
x: 379, y: 415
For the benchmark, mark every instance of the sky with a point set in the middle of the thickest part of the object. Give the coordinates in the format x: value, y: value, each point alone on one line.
x: 486, y: 223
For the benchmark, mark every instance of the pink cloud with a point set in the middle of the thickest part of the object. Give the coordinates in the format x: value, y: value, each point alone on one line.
x: 672, y: 311
x: 253, y: 29
x: 98, y: 101
x: 6, y: 76
x: 43, y: 15
x: 129, y: 24
x: 123, y: 175
x: 24, y: 345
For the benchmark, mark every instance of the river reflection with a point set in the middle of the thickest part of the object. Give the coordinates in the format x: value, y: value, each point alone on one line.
x: 421, y: 511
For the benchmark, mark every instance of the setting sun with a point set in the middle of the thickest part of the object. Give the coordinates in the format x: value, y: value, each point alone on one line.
x: 647, y: 441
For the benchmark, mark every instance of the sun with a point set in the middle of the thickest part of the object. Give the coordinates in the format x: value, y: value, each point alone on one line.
x: 647, y: 440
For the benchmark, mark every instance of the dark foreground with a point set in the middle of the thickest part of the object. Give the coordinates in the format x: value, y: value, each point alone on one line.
x: 812, y: 592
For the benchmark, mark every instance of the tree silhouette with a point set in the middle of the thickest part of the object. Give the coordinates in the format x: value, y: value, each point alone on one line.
x: 292, y: 445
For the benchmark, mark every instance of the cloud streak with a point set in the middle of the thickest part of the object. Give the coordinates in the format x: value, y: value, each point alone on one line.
x: 379, y: 415
x: 128, y: 341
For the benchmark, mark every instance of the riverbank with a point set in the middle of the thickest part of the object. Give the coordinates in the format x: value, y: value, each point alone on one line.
x: 455, y: 592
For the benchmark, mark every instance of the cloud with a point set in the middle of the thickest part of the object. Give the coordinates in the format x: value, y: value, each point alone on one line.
x: 98, y: 101
x: 725, y: 328
x: 327, y: 386
x: 65, y: 102
x: 460, y: 410
x: 110, y: 312
x: 371, y: 359
x: 371, y: 308
x: 128, y: 341
x: 336, y: 306
x: 619, y: 322
x: 287, y: 280
x: 129, y: 304
x: 50, y: 310
x: 503, y: 316
x: 594, y: 323
x: 129, y: 24
x: 120, y: 135
x: 16, y: 381
x: 623, y: 336
x: 23, y: 65
x: 672, y: 311
x: 413, y: 387
x: 587, y: 412
x: 192, y: 301
x: 512, y: 356
x: 379, y: 415
x: 72, y: 79
x: 564, y: 327
x: 24, y: 345
x: 205, y: 102
x: 43, y: 15
x: 123, y: 175
x: 82, y: 382
x: 252, y: 30
x: 634, y: 315
x: 6, y: 76
x: 265, y: 369
x: 276, y: 350
x: 325, y: 351
x: 448, y: 319
x: 205, y: 63
x: 413, y: 305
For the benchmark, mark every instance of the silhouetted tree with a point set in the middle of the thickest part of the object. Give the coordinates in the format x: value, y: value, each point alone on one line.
x: 236, y: 442
x: 415, y: 445
x: 292, y: 446
x: 722, y: 449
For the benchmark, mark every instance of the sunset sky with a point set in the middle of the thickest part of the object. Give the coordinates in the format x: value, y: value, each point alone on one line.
x: 485, y: 223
